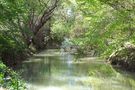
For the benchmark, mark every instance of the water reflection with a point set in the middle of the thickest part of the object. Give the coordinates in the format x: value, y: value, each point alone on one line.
x: 51, y: 70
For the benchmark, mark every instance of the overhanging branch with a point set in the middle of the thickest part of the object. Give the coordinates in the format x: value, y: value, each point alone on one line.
x: 45, y: 17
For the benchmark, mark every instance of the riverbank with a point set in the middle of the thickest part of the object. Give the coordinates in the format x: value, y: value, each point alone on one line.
x: 124, y: 58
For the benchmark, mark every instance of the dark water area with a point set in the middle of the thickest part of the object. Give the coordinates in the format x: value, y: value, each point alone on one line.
x: 55, y: 70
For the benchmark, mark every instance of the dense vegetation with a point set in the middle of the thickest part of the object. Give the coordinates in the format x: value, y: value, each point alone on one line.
x: 10, y: 79
x: 95, y: 27
x: 24, y: 29
x: 102, y: 26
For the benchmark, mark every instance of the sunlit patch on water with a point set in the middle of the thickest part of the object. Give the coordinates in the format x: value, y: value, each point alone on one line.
x: 33, y: 60
x: 51, y: 70
x: 1, y: 88
x: 35, y: 87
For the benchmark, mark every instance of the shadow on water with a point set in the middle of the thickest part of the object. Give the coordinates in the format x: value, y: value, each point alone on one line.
x: 52, y: 70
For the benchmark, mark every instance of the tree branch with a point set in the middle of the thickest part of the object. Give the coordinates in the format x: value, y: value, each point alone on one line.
x: 45, y: 17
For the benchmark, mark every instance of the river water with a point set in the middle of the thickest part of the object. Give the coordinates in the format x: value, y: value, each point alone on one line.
x: 55, y: 70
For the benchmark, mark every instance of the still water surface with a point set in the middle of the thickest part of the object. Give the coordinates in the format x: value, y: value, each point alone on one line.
x: 53, y: 70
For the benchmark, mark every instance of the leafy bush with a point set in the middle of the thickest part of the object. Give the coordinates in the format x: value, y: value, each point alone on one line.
x: 10, y: 79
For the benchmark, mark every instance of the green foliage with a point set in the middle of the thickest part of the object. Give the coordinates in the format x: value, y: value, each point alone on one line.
x: 10, y: 36
x: 8, y: 42
x: 10, y: 9
x: 9, y: 79
x: 103, y: 27
x: 63, y: 20
x: 59, y: 30
x: 100, y: 25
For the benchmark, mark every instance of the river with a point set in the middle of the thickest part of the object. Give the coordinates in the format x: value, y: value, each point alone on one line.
x: 55, y: 70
